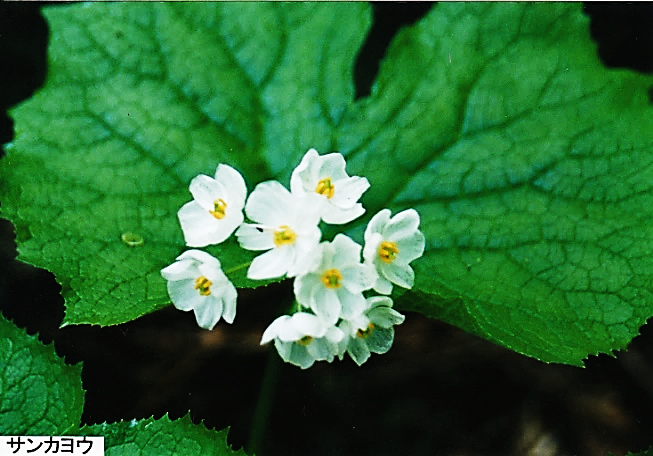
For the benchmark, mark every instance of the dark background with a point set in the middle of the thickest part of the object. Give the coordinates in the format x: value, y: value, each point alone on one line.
x: 439, y: 391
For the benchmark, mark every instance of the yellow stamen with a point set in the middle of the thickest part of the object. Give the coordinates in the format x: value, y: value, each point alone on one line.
x: 325, y: 187
x: 203, y: 285
x: 219, y: 207
x: 305, y: 341
x: 284, y: 235
x: 332, y: 278
x: 388, y: 251
x: 365, y: 333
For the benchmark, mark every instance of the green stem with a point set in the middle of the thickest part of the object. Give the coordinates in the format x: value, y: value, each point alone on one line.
x: 265, y: 400
x: 236, y: 268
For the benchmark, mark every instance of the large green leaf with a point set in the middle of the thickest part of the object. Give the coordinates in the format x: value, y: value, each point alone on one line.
x: 162, y: 437
x: 528, y: 161
x: 141, y: 98
x: 39, y: 393
x: 532, y: 167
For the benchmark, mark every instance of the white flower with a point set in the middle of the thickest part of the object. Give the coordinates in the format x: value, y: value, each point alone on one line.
x: 286, y: 225
x: 326, y: 176
x: 217, y: 208
x: 370, y: 332
x: 335, y: 288
x: 196, y: 282
x: 303, y: 339
x: 390, y: 244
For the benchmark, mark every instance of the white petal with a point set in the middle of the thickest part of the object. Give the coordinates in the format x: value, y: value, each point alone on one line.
x: 398, y: 273
x: 206, y: 191
x: 378, y: 223
x: 273, y: 329
x: 358, y: 350
x: 334, y: 335
x: 231, y: 221
x: 201, y: 228
x: 196, y: 224
x: 348, y: 191
x: 335, y: 215
x: 347, y: 330
x: 383, y: 285
x: 287, y: 332
x: 307, y: 211
x: 308, y: 324
x: 284, y: 349
x: 333, y: 166
x: 180, y: 270
x: 381, y: 312
x: 215, y: 275
x: 302, y: 177
x: 229, y: 298
x: 385, y: 317
x: 353, y: 304
x: 201, y: 257
x: 255, y: 237
x: 321, y: 350
x: 208, y: 314
x: 299, y: 356
x: 327, y: 253
x: 326, y: 305
x: 411, y: 247
x: 379, y: 303
x: 269, y: 204
x: 183, y: 294
x: 304, y: 287
x: 358, y: 278
x: 402, y: 225
x: 307, y: 255
x: 234, y: 183
x: 271, y: 264
x: 354, y: 324
x: 380, y: 341
x: 347, y: 251
x: 371, y: 249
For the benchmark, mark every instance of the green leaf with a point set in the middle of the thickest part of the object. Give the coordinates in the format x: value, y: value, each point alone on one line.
x: 39, y: 393
x: 648, y: 452
x: 529, y: 162
x: 161, y: 437
x: 532, y: 168
x: 139, y: 99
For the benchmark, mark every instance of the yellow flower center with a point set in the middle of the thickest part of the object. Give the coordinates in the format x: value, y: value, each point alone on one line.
x: 325, y: 187
x: 332, y: 278
x: 388, y: 251
x: 365, y: 333
x: 219, y: 207
x: 203, y: 285
x: 284, y: 235
x: 305, y: 341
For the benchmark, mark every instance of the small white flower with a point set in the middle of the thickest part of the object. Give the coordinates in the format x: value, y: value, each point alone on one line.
x: 335, y: 288
x: 303, y: 339
x: 390, y: 244
x: 326, y: 176
x: 196, y: 282
x: 217, y: 208
x: 370, y: 332
x: 286, y: 225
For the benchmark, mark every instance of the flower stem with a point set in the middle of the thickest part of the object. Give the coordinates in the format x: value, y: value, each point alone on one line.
x: 236, y: 268
x: 265, y: 401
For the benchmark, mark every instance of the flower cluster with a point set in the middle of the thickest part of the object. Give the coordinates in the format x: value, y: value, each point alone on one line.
x: 334, y: 313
